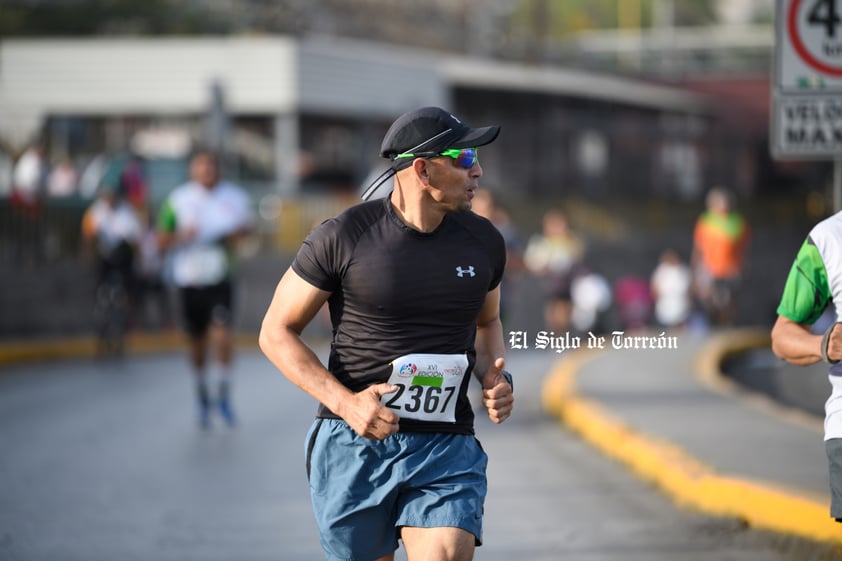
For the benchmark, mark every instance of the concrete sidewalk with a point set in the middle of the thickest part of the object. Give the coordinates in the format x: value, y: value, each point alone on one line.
x: 669, y: 416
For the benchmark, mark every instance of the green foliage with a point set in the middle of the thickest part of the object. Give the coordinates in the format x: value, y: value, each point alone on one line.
x: 91, y: 17
x: 525, y: 18
x: 563, y: 18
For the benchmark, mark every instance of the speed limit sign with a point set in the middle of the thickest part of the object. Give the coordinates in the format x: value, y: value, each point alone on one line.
x: 806, y: 120
x: 809, y: 45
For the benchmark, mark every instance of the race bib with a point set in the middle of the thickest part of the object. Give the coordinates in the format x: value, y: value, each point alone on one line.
x: 428, y: 385
x: 200, y: 265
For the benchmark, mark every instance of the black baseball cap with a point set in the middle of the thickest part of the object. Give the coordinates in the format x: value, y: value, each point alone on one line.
x: 426, y: 130
x: 432, y: 129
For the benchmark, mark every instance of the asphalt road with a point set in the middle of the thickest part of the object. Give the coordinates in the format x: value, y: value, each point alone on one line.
x: 104, y: 462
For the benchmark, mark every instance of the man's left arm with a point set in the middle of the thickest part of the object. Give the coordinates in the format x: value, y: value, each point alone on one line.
x: 491, y: 351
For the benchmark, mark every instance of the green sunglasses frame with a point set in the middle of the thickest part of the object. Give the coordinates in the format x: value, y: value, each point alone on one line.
x: 450, y: 153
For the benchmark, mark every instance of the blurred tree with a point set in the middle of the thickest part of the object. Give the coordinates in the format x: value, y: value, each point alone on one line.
x: 106, y: 17
x: 542, y: 18
x: 563, y: 18
x: 510, y: 29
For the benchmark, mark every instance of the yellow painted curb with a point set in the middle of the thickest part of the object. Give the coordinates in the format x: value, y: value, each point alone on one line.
x: 139, y: 343
x: 723, y: 345
x: 687, y: 480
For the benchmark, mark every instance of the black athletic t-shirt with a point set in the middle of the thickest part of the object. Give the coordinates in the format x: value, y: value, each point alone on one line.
x: 397, y: 291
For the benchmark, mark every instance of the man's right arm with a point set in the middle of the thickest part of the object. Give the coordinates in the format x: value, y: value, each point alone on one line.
x: 167, y: 230
x: 793, y: 342
x: 806, y: 295
x: 294, y: 304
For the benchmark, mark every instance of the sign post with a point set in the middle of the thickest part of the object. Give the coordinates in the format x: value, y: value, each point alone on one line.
x: 807, y: 89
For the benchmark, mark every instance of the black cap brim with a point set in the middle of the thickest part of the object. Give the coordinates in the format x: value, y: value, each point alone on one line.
x: 479, y: 136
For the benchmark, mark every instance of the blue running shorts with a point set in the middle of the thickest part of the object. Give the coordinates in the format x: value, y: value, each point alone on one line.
x: 364, y: 490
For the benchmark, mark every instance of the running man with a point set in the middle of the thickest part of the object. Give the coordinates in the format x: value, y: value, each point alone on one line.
x: 814, y: 283
x: 413, y: 286
x: 201, y: 222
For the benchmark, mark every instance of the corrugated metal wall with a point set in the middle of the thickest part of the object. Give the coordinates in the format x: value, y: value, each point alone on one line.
x: 339, y: 77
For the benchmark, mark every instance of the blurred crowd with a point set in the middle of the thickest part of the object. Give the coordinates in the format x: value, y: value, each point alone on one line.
x: 117, y: 228
x: 692, y: 291
x: 36, y: 176
x: 696, y: 291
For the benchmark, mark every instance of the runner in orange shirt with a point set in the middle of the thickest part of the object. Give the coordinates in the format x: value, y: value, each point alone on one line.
x: 720, y: 240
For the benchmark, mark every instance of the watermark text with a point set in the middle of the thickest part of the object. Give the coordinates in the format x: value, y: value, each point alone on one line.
x: 549, y: 340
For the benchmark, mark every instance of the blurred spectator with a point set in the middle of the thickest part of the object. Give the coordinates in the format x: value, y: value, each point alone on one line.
x: 591, y: 297
x: 112, y: 231
x: 720, y: 239
x: 28, y: 185
x: 634, y: 302
x: 62, y: 179
x: 91, y: 176
x: 672, y: 290
x: 485, y: 204
x: 133, y: 178
x: 29, y: 179
x: 552, y: 256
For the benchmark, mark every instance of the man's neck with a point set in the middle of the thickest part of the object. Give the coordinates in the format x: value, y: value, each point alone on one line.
x: 416, y: 210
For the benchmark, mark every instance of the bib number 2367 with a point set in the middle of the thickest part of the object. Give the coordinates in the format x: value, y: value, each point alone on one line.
x: 427, y: 386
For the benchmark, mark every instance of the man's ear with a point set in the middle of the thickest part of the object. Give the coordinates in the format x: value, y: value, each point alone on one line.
x: 422, y: 169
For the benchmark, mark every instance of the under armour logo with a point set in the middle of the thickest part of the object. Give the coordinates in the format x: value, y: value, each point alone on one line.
x: 460, y: 272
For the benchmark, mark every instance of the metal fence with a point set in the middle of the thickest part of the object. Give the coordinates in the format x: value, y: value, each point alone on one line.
x: 37, y: 235
x: 40, y: 233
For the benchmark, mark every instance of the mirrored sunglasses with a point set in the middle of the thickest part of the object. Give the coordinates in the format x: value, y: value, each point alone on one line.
x: 464, y: 157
